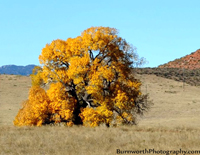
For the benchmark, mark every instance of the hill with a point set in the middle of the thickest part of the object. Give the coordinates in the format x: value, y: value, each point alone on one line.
x: 188, y: 76
x: 191, y: 61
x: 184, y: 69
x: 16, y: 70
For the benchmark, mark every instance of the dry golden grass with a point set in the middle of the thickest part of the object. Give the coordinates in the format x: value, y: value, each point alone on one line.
x: 171, y: 124
x: 175, y: 104
x: 101, y: 140
x: 13, y: 90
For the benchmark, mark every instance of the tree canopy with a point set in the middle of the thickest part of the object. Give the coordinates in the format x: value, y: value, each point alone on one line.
x: 90, y: 82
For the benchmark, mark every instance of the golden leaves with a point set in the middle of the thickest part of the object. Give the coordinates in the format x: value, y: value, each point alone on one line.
x: 79, y: 66
x: 94, y: 117
x: 53, y: 51
x: 60, y: 104
x: 34, y: 110
x: 96, y: 38
x: 40, y: 105
x: 92, y: 69
x: 36, y: 76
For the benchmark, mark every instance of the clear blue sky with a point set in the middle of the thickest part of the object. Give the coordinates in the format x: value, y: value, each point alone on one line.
x: 161, y: 30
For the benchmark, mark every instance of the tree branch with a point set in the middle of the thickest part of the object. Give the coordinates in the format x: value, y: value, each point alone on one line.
x: 65, y: 63
x: 91, y: 55
x: 120, y: 114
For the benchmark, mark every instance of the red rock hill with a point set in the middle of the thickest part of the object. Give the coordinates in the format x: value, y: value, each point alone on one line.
x: 191, y: 61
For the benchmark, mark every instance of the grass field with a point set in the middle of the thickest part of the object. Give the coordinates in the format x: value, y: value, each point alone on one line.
x: 171, y: 124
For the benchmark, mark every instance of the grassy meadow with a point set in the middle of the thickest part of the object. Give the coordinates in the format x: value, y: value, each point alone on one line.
x: 171, y: 124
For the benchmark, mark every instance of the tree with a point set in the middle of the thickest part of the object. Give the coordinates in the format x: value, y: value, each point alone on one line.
x: 91, y: 82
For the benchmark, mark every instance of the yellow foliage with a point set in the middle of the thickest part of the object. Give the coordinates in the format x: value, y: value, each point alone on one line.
x: 61, y: 105
x: 94, y: 117
x: 34, y: 110
x: 91, y: 117
x: 91, y: 81
x: 36, y: 76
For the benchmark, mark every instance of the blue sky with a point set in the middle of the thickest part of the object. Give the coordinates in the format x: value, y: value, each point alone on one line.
x: 161, y: 30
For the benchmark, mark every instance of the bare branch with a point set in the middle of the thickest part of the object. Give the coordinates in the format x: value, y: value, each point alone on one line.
x: 91, y: 55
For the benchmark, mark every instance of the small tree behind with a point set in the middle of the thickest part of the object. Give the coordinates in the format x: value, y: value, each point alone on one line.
x: 90, y: 82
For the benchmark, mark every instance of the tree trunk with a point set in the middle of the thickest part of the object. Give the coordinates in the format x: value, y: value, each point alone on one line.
x: 77, y: 119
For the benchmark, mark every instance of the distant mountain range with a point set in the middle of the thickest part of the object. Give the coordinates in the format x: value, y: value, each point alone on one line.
x: 17, y: 70
x: 191, y: 61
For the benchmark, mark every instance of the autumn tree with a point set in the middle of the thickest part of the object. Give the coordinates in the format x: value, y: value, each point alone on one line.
x: 90, y: 82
